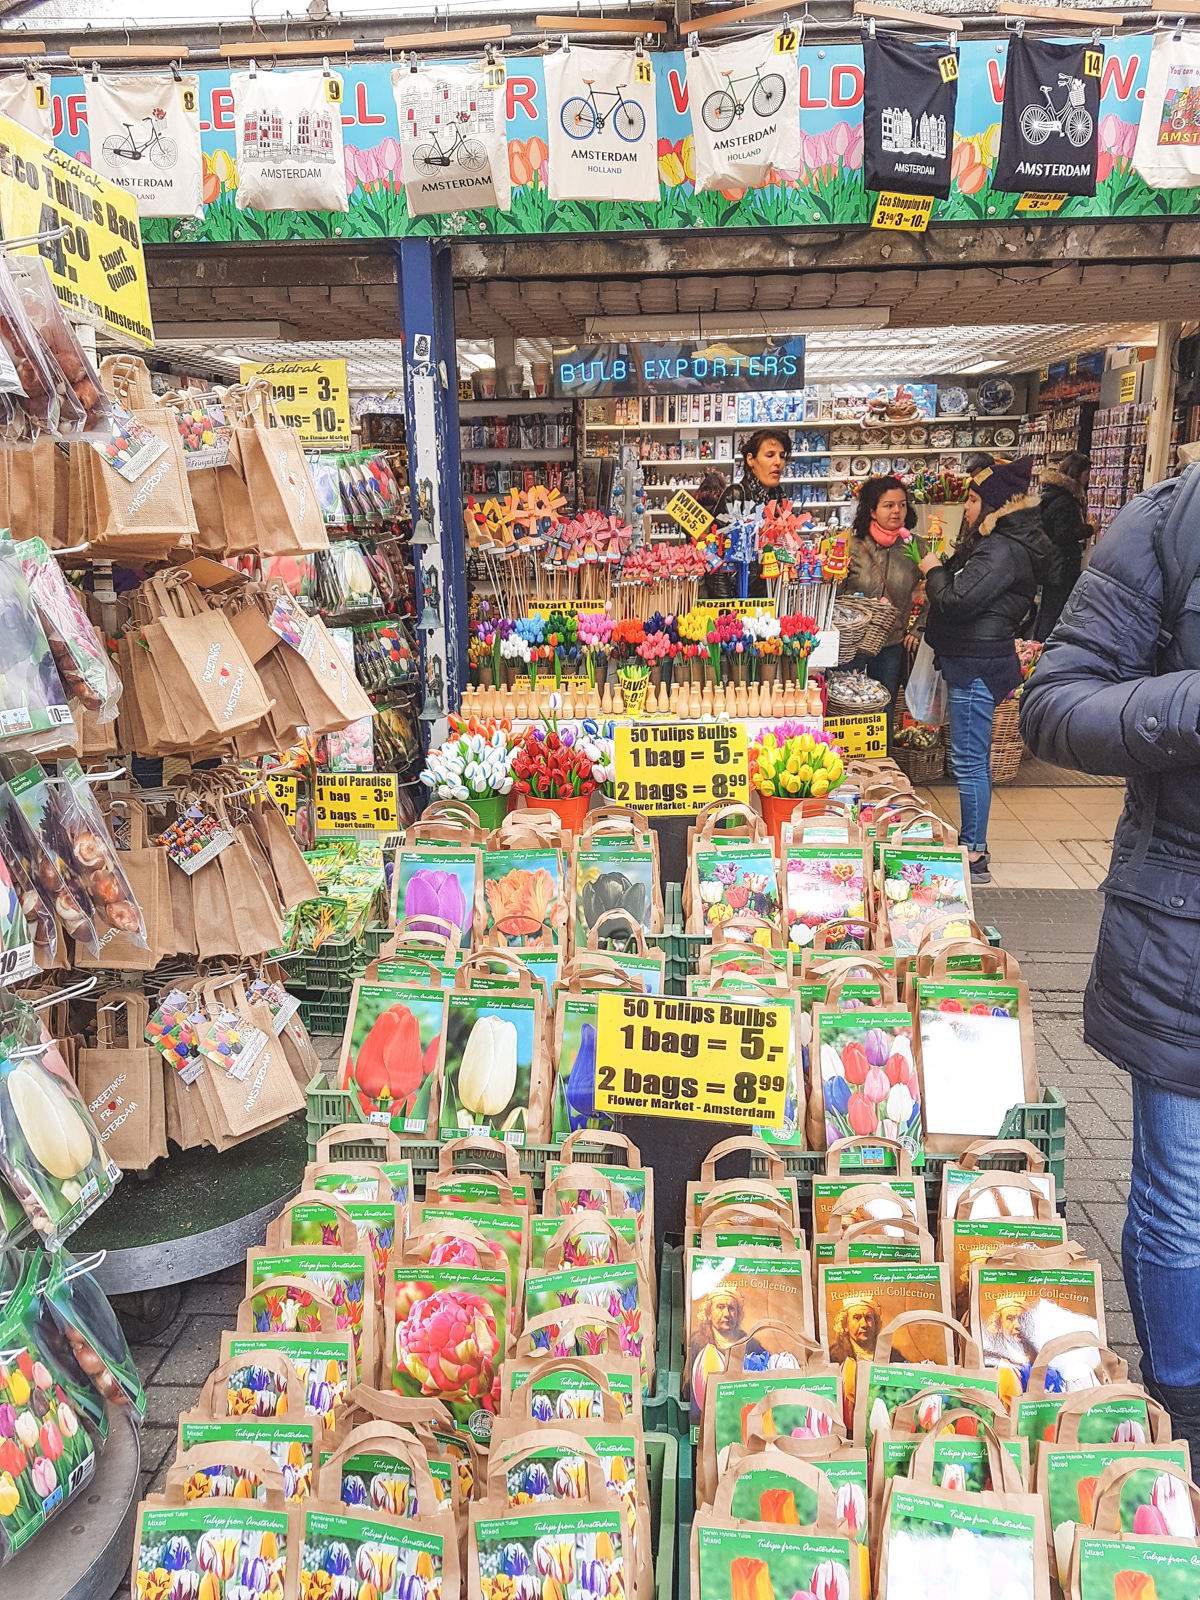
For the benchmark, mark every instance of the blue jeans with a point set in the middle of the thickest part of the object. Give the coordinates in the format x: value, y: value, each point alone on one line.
x: 971, y: 753
x: 1160, y: 1248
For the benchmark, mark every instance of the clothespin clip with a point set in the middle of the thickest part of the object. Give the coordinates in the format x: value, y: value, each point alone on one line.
x: 694, y: 43
x: 175, y: 72
x: 325, y: 72
x: 566, y: 47
x: 871, y: 27
x: 95, y: 72
x: 253, y: 69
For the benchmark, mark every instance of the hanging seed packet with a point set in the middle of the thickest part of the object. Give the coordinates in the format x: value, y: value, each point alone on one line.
x: 582, y: 1247
x: 954, y: 1546
x: 181, y: 1548
x: 738, y: 880
x: 959, y: 1461
x: 524, y: 895
x: 1067, y: 1480
x: 825, y: 884
x: 391, y: 1052
x: 975, y: 1241
x: 374, y: 1221
x: 432, y: 886
x: 495, y: 1067
x: 858, y: 1302
x: 289, y: 1444
x: 566, y: 1396
x: 231, y: 1044
x: 341, y: 1278
x: 446, y: 1337
x: 975, y: 1058
x: 758, y: 1564
x: 925, y: 887
x: 869, y: 1081
x: 322, y: 1361
x: 726, y: 1295
x: 195, y: 839
x: 1018, y: 1311
x: 612, y: 1289
x: 608, y: 881
x: 172, y: 1029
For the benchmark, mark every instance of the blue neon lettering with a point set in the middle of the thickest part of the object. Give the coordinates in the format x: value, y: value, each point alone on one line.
x: 789, y: 366
x: 664, y: 369
x: 755, y: 367
x: 566, y: 373
x: 719, y: 368
x: 770, y: 365
x: 648, y: 371
x: 700, y: 367
x: 620, y: 370
x: 681, y: 367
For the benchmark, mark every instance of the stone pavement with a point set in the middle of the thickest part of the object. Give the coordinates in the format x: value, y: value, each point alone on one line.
x: 1051, y: 932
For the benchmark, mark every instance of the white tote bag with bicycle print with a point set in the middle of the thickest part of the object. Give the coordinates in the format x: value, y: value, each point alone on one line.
x: 1167, y: 152
x: 745, y: 104
x: 603, y: 125
x: 25, y: 97
x: 145, y: 136
x: 453, y: 137
x: 289, y: 140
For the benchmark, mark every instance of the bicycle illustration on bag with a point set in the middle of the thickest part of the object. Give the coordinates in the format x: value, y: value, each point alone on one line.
x: 430, y: 159
x: 162, y: 152
x: 582, y: 118
x: 723, y: 106
x: 1074, y: 120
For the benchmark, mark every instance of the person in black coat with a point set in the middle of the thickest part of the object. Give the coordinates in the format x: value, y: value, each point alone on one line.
x: 974, y: 619
x: 1117, y: 692
x: 1064, y: 501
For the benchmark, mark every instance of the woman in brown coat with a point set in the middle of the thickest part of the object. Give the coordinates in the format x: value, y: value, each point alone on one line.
x: 880, y: 569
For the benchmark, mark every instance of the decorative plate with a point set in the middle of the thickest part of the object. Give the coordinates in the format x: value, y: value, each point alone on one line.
x: 1005, y: 438
x: 918, y: 464
x: 952, y: 402
x: 840, y: 466
x: 941, y: 438
x: 860, y: 467
x: 918, y: 436
x: 845, y: 438
x: 984, y: 437
x: 951, y: 464
x: 901, y: 464
x: 874, y: 437
x: 899, y: 438
x: 964, y: 438
x: 996, y: 396
x: 881, y: 467
x: 836, y: 493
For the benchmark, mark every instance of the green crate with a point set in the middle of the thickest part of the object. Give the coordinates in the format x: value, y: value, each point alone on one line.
x: 334, y: 965
x: 667, y: 1411
x: 374, y: 938
x: 685, y: 1511
x: 662, y: 1470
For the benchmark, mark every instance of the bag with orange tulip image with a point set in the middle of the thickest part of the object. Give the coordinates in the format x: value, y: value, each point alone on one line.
x: 937, y: 1541
x: 564, y: 1548
x: 1124, y: 1558
x: 749, y: 1558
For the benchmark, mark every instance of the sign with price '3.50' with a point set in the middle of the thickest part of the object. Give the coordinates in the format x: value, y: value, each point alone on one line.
x: 707, y: 1060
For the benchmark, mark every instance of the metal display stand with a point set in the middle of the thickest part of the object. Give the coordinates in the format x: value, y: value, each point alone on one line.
x: 85, y: 1552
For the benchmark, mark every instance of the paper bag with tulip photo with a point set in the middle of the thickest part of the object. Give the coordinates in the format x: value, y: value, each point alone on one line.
x: 975, y: 1058
x: 620, y: 1290
x: 345, y: 1278
x: 524, y: 895
x: 496, y: 1078
x: 1025, y: 1297
x: 864, y: 1075
x: 608, y: 881
x: 391, y: 1557
x: 1111, y: 1413
x: 826, y: 884
x: 391, y: 1055
x: 323, y: 1364
x: 763, y: 1493
x: 801, y: 1402
x: 880, y: 1385
x: 856, y: 1303
x: 235, y: 1538
x: 1111, y: 1554
x: 727, y: 1294
x: 291, y: 1442
x: 447, y: 1333
x: 1150, y: 1501
x: 733, y: 880
x: 545, y: 1389
x: 964, y: 1243
x: 433, y: 886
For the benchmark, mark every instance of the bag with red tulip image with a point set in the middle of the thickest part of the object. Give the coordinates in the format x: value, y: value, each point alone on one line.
x: 392, y: 1055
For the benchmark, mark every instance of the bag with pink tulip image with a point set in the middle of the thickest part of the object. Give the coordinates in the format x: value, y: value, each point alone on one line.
x: 1147, y: 1553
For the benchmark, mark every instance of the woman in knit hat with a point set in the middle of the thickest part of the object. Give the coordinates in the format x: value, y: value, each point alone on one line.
x: 975, y: 618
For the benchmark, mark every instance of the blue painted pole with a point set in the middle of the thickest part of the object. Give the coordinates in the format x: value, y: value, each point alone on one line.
x: 431, y: 400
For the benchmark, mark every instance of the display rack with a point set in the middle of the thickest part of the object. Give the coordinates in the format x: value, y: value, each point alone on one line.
x: 1118, y: 461
x: 518, y: 443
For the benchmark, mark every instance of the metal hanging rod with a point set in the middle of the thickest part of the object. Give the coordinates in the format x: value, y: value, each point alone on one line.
x: 26, y: 240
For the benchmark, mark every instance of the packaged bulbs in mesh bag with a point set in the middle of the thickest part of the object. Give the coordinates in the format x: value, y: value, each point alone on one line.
x: 81, y: 659
x: 33, y: 703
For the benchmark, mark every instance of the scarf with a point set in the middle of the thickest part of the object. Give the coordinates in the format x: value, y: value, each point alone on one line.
x: 884, y: 536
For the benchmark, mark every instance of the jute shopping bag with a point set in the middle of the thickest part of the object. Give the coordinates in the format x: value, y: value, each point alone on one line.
x: 122, y: 1082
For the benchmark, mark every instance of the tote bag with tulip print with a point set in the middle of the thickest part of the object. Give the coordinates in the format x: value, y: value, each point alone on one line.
x: 289, y: 141
x: 745, y: 105
x: 145, y: 136
x: 1167, y: 152
x: 453, y: 137
x: 603, y: 125
x: 492, y: 1050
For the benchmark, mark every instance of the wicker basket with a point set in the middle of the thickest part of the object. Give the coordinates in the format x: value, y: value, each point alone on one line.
x: 1007, y: 748
x: 851, y: 622
x: 881, y: 618
x: 837, y: 706
x: 920, y: 765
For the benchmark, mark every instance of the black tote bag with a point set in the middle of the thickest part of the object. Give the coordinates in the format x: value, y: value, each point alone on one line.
x: 1050, y: 126
x: 909, y: 96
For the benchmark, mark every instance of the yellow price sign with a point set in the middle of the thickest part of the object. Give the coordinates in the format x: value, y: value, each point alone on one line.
x: 311, y: 396
x: 948, y: 67
x: 864, y: 735
x: 97, y: 268
x: 743, y: 608
x: 284, y: 790
x: 643, y: 72
x: 357, y: 800
x: 1128, y: 386
x: 787, y: 42
x: 902, y: 213
x: 688, y: 513
x: 1043, y: 204
x: 675, y: 769
x: 1093, y: 63
x: 707, y: 1060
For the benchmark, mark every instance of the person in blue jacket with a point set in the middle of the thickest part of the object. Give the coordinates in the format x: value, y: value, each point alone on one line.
x: 1117, y: 692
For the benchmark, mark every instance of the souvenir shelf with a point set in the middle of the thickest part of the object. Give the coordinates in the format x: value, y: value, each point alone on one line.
x: 1118, y: 461
x: 518, y: 443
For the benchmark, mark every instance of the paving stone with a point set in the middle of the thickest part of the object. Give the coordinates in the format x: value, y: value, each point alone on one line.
x: 164, y: 1402
x: 147, y: 1358
x: 195, y: 1353
x: 158, y: 1448
x: 213, y: 1296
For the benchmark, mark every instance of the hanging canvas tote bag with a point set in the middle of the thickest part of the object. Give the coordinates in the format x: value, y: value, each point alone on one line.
x: 745, y: 105
x: 603, y: 125
x: 282, y: 499
x: 289, y: 140
x: 145, y: 136
x: 25, y: 98
x: 910, y: 92
x: 1050, y: 126
x: 453, y: 137
x: 1167, y: 153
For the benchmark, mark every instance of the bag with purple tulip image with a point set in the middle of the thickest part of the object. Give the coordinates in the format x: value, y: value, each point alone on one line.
x: 572, y: 1549
x: 804, y: 1548
x: 380, y: 1466
x: 323, y: 1361
x: 283, y: 1285
x: 600, y: 1194
x: 620, y: 1289
x: 292, y: 1442
x: 1136, y: 1554
x: 268, y: 1387
x: 545, y: 1388
x: 434, y: 888
x: 349, y: 1550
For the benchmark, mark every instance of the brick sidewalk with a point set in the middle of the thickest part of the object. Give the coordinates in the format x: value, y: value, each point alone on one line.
x: 1052, y: 933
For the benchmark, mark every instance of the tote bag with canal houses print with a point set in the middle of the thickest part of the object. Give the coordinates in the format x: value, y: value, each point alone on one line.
x: 289, y: 140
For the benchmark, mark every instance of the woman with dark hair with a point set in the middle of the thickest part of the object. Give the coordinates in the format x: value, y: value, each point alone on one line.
x: 1064, y: 501
x: 880, y: 569
x: 764, y: 462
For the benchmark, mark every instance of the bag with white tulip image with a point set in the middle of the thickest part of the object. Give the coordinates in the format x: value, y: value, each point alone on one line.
x: 497, y: 1075
x: 737, y: 1558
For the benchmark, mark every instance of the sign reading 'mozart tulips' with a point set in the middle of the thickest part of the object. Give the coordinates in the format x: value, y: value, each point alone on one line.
x: 826, y: 188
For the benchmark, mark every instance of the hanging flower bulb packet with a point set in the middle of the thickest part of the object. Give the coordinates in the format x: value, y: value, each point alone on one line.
x: 497, y: 1072
x: 391, y: 1056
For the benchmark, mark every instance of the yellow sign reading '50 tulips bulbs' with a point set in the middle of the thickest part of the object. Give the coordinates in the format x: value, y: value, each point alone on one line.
x: 807, y: 764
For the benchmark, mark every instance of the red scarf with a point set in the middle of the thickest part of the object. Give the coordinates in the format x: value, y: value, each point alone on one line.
x: 884, y: 536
